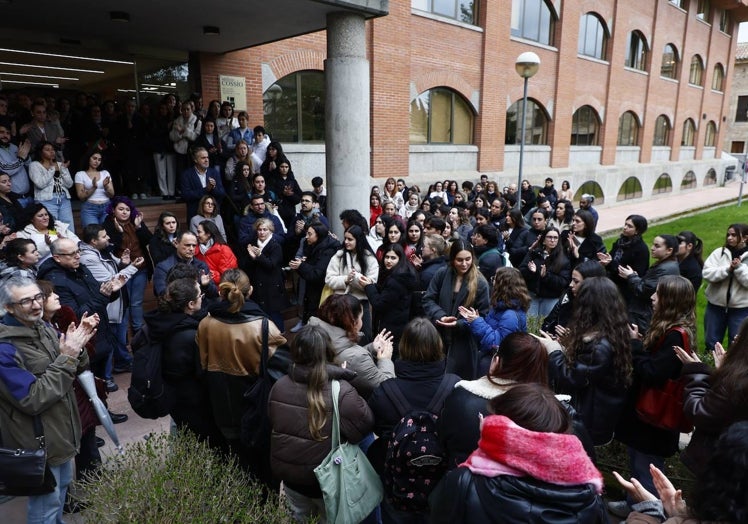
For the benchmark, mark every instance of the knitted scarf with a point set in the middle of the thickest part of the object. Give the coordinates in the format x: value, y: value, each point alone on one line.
x: 508, y: 449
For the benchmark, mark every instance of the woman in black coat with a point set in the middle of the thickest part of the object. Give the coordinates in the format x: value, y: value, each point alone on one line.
x: 690, y: 261
x: 546, y: 271
x: 629, y: 250
x: 516, y: 236
x: 390, y: 295
x: 318, y: 248
x: 265, y: 271
x: 581, y: 242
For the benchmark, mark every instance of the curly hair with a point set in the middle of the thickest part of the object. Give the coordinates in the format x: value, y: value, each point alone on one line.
x: 676, y: 307
x: 509, y: 287
x: 342, y: 311
x: 600, y: 313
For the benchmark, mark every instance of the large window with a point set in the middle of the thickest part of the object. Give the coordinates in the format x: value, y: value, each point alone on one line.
x: 663, y: 184
x: 636, y: 51
x: 703, y: 10
x: 725, y: 22
x: 294, y: 107
x: 536, y: 124
x: 593, y: 37
x: 662, y: 131
x: 631, y: 188
x: 669, y: 66
x: 718, y: 80
x: 628, y: 129
x: 462, y: 10
x: 440, y: 116
x: 689, y: 181
x: 584, y: 127
x: 689, y: 133
x: 741, y: 113
x: 533, y: 20
x: 683, y: 4
x: 696, y: 74
x: 710, y: 136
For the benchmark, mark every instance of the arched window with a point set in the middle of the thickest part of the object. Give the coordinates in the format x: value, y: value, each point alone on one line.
x: 718, y: 80
x: 695, y: 76
x: 631, y: 188
x: 593, y: 36
x: 294, y: 107
x: 536, y: 124
x: 533, y: 20
x: 584, y: 126
x: 711, y: 178
x: 689, y: 181
x: 710, y: 137
x: 663, y: 184
x: 592, y: 188
x: 440, y: 116
x: 636, y: 51
x: 662, y: 131
x: 669, y: 66
x: 628, y: 129
x: 689, y: 133
x: 463, y: 10
x: 703, y: 10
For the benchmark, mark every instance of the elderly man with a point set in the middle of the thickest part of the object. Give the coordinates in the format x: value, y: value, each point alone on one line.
x: 78, y: 289
x: 37, y: 370
x: 186, y: 243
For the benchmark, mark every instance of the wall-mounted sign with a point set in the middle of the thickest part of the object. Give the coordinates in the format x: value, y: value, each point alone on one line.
x: 234, y: 89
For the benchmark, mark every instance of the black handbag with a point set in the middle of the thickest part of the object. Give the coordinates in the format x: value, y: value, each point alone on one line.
x: 25, y: 472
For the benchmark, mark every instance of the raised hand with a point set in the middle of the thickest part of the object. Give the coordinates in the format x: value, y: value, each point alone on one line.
x: 672, y: 499
x: 634, y: 488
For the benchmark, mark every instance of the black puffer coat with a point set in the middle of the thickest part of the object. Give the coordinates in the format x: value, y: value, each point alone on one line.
x: 313, y: 270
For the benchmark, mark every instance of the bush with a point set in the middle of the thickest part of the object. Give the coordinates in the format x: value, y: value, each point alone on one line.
x: 176, y: 478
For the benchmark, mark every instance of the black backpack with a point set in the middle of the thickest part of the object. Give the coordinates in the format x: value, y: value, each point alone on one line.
x: 149, y: 395
x: 415, y: 460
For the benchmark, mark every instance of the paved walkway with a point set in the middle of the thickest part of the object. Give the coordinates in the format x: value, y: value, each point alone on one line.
x: 611, y: 220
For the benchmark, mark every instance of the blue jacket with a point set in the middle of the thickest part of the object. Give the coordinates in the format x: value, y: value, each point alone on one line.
x: 247, y: 233
x: 498, y: 323
x: 163, y: 267
x: 193, y: 191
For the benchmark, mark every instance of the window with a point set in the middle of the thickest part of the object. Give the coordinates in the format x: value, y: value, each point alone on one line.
x: 697, y: 71
x: 628, y: 129
x: 702, y: 10
x: 683, y: 4
x: 440, y: 116
x: 636, y: 51
x: 689, y: 181
x: 725, y: 22
x: 533, y: 20
x: 294, y: 107
x: 718, y: 80
x: 689, y: 133
x: 737, y: 147
x: 669, y: 66
x: 710, y: 137
x: 662, y: 131
x: 741, y: 113
x: 536, y: 124
x: 663, y: 184
x: 584, y: 126
x: 462, y: 10
x: 592, y: 188
x: 711, y: 178
x: 593, y: 37
x: 631, y: 188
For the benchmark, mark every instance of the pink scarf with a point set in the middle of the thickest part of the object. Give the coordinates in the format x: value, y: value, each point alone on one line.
x: 508, y: 449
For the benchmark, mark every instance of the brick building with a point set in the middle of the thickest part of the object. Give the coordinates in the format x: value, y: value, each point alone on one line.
x: 631, y: 98
x: 737, y: 112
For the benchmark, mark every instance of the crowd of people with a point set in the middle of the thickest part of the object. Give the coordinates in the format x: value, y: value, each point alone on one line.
x: 424, y: 303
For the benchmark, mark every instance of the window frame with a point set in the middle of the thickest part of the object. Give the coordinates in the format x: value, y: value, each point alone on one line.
x: 530, y: 118
x: 281, y: 132
x: 454, y: 97
x: 696, y: 71
x: 725, y: 22
x: 676, y: 61
x: 718, y: 78
x: 601, y: 41
x: 630, y: 131
x: 591, y: 118
x: 688, y: 137
x: 710, y: 134
x: 545, y: 15
x: 428, y: 7
x: 703, y: 11
x: 662, y: 138
x: 642, y: 51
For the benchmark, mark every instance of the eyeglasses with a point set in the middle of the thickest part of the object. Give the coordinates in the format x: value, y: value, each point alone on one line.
x: 76, y: 253
x: 26, y: 302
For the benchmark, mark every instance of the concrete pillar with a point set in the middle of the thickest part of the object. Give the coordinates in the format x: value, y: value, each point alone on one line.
x: 347, y: 135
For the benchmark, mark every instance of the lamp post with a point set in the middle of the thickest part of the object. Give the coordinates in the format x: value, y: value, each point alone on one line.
x: 526, y: 65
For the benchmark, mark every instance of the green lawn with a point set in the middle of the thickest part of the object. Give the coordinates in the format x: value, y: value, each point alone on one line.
x: 711, y: 227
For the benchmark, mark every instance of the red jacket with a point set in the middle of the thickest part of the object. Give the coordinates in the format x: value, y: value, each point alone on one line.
x: 219, y: 258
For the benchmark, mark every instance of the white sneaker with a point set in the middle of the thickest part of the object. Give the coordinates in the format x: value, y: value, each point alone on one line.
x: 619, y: 508
x: 134, y: 196
x: 297, y: 327
x: 143, y: 196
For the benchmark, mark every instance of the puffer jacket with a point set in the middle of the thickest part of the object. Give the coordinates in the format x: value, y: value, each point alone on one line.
x: 722, y: 283
x: 293, y: 452
x: 340, y: 265
x: 641, y: 290
x: 462, y: 497
x: 370, y: 371
x: 313, y: 270
x: 36, y: 379
x: 497, y: 324
x: 589, y: 380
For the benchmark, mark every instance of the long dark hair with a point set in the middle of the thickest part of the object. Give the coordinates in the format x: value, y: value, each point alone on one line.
x: 211, y: 228
x: 697, y: 252
x: 522, y: 358
x: 362, y: 248
x: 556, y: 256
x: 402, y: 266
x: 159, y: 230
x: 31, y: 210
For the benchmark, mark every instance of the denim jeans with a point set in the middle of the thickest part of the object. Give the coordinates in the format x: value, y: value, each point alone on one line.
x: 93, y: 213
x: 639, y: 463
x: 135, y: 291
x: 47, y: 509
x: 540, y: 307
x: 717, y: 321
x: 61, y: 210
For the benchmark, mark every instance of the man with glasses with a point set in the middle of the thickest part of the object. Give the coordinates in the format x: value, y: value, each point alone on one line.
x: 79, y: 290
x: 258, y: 209
x: 36, y: 379
x: 308, y: 212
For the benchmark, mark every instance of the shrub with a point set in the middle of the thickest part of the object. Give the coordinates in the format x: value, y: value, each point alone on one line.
x: 176, y: 478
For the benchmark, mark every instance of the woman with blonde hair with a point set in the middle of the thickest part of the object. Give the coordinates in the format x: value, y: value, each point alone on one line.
x: 300, y: 411
x: 230, y: 344
x: 264, y: 266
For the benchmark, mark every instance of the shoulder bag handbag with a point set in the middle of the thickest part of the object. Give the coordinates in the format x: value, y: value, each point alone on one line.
x: 662, y: 406
x: 350, y: 487
x: 25, y: 472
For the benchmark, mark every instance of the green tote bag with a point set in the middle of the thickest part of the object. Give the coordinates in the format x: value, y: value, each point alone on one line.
x: 350, y: 487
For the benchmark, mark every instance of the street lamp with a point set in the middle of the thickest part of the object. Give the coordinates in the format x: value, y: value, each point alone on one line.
x: 526, y: 65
